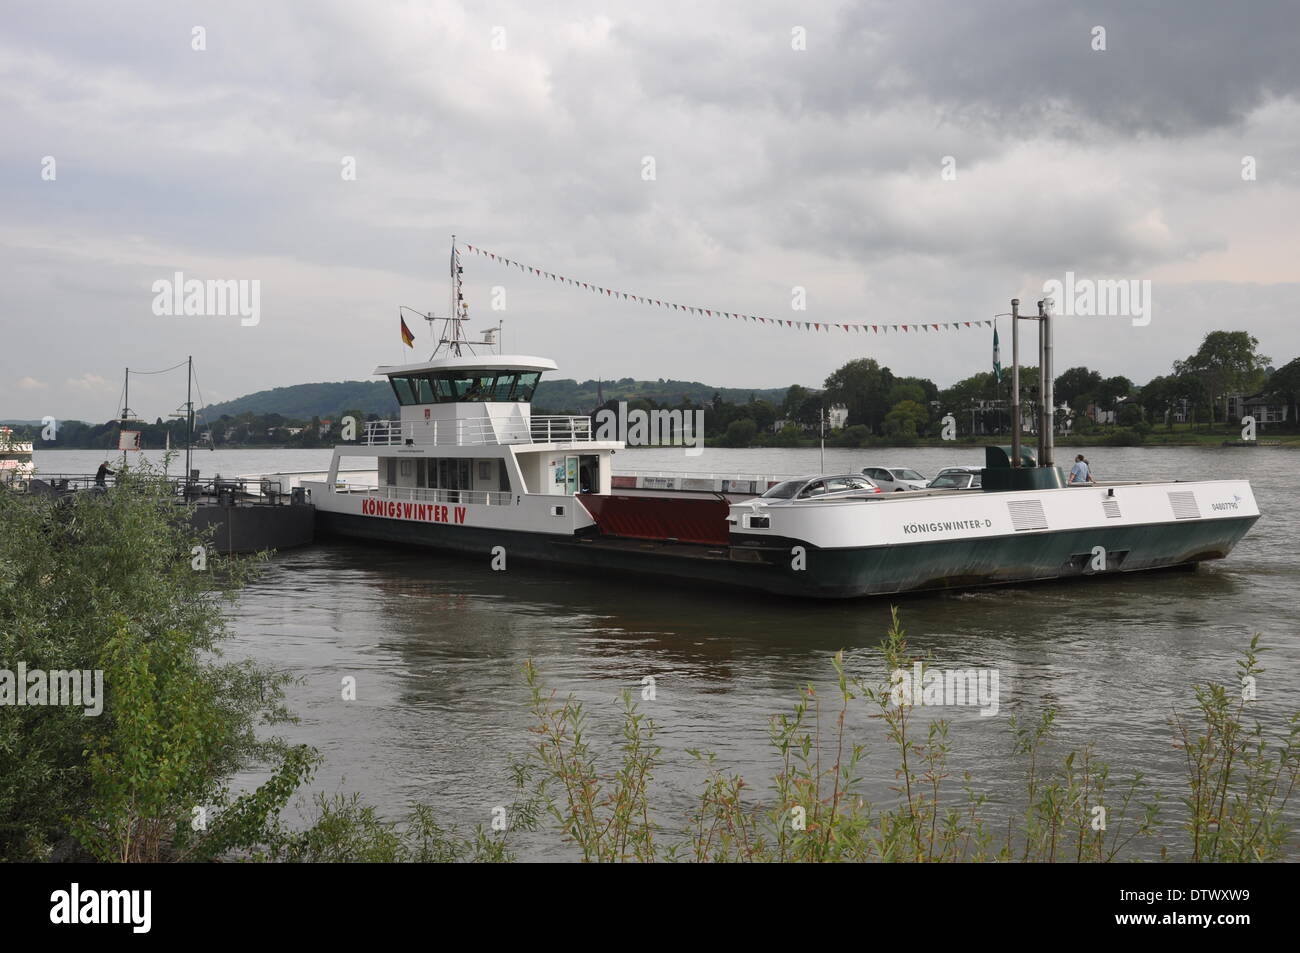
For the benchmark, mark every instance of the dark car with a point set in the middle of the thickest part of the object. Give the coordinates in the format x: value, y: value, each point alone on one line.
x: 957, y: 478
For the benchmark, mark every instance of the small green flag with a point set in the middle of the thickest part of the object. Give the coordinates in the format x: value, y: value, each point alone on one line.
x: 997, y: 357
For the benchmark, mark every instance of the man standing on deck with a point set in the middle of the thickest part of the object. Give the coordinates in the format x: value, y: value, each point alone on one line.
x: 1080, y: 473
x: 101, y: 473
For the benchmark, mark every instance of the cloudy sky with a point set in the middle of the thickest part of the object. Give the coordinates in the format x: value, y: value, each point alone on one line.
x: 792, y: 146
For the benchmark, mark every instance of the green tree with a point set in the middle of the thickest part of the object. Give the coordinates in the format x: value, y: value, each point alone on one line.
x: 1130, y: 414
x: 109, y: 582
x: 1109, y: 391
x: 763, y: 413
x: 862, y: 386
x: 1284, y: 384
x: 905, y: 419
x: 788, y: 436
x: 1077, y: 387
x: 740, y: 433
x: 794, y: 399
x: 1226, y: 362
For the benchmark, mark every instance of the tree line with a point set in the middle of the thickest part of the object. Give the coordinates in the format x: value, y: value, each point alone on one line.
x: 879, y: 404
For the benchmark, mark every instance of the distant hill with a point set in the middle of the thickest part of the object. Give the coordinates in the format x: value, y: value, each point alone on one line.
x: 328, y: 400
x: 304, y: 401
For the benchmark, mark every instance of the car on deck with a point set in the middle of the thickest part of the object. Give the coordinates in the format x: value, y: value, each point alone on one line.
x: 893, y: 479
x: 821, y: 487
x: 957, y: 478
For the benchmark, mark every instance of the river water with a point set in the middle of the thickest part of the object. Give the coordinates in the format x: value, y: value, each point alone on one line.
x: 436, y: 646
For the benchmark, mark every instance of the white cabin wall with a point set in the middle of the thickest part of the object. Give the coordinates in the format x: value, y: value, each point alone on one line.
x: 505, y: 422
x: 538, y: 468
x: 606, y: 473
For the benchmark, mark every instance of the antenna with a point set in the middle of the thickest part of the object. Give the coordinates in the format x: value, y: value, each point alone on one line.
x: 453, y: 334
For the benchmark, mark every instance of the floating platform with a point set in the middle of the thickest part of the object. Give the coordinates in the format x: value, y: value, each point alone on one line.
x: 241, y: 520
x: 253, y: 527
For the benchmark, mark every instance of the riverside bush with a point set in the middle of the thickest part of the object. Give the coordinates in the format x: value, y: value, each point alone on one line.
x: 107, y: 581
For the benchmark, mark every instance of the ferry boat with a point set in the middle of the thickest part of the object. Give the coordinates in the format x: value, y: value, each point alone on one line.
x: 16, y: 466
x: 468, y: 467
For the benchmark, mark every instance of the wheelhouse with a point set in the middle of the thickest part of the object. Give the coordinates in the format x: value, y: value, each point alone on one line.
x: 467, y: 434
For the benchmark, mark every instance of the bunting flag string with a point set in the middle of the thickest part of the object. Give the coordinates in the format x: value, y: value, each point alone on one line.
x: 852, y: 327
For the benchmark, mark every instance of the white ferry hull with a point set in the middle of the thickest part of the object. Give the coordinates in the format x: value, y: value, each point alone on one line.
x: 852, y: 549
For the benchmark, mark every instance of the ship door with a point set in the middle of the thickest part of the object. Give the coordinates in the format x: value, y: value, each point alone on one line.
x: 571, y: 475
x: 589, y: 473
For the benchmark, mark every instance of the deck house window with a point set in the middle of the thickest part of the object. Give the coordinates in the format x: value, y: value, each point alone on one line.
x: 504, y: 387
x: 442, y: 387
x: 402, y: 388
x: 525, y: 384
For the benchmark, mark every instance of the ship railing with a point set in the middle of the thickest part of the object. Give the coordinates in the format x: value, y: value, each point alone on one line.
x: 284, y: 481
x: 223, y: 490
x: 561, y: 429
x: 412, y: 494
x: 694, y: 480
x: 481, y: 431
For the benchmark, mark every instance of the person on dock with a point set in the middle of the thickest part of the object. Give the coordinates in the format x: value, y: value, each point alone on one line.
x: 101, y: 473
x: 1081, y: 472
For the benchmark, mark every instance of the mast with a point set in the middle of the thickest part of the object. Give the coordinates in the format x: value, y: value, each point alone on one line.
x: 1046, y: 386
x: 453, y: 335
x: 189, y: 413
x: 1015, y: 382
x: 126, y: 403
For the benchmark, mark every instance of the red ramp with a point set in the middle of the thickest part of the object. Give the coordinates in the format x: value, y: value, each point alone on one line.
x: 659, y: 517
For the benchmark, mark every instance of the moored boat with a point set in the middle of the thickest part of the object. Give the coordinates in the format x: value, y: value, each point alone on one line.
x: 468, y: 467
x: 16, y: 466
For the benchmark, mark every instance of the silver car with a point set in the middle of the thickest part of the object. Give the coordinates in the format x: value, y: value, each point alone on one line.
x: 893, y: 479
x: 819, y: 488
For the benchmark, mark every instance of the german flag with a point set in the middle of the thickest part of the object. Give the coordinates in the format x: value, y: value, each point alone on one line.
x: 407, y: 337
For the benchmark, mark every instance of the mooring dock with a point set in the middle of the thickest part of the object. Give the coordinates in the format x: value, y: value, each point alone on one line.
x: 245, y: 516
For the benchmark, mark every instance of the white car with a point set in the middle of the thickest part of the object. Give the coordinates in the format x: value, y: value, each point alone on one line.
x: 894, y: 479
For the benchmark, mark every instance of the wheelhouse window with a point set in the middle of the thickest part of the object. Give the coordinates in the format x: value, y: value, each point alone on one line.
x: 440, y: 387
x: 525, y: 384
x: 402, y: 388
